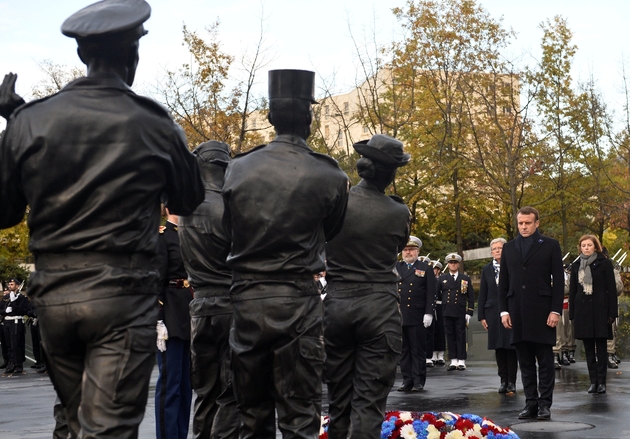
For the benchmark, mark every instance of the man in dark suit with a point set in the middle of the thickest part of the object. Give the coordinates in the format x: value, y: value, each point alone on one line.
x: 530, y: 295
x: 417, y: 294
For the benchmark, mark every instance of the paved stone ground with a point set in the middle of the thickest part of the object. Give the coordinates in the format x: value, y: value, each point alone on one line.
x: 26, y: 403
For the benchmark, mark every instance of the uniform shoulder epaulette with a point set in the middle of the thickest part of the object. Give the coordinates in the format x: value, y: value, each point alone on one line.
x: 325, y: 157
x: 161, y: 229
x: 154, y: 105
x: 255, y: 148
x: 397, y: 199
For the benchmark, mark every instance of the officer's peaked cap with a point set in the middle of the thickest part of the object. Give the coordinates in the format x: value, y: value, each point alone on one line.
x: 414, y: 241
x: 297, y: 84
x: 108, y: 17
x: 13, y: 279
x: 213, y: 151
x: 437, y: 264
x: 383, y: 149
x: 453, y: 257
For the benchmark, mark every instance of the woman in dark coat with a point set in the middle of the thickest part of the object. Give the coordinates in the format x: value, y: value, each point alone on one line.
x: 593, y: 307
x: 489, y: 316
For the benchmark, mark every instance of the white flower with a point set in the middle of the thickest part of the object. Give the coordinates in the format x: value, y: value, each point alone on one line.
x: 433, y: 433
x: 474, y: 434
x: 455, y: 434
x: 406, y: 416
x: 407, y: 432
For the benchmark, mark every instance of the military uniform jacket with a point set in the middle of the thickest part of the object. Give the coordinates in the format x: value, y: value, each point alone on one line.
x: 375, y: 230
x: 590, y: 313
x: 488, y: 308
x: 282, y: 203
x: 174, y: 301
x: 458, y: 297
x: 531, y: 288
x: 204, y: 242
x: 19, y: 307
x: 92, y: 162
x: 417, y: 291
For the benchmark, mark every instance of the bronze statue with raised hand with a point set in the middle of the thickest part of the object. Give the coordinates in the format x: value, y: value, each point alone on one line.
x: 9, y: 99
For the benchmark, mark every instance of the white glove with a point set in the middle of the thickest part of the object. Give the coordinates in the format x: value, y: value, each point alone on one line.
x: 162, y: 336
x: 467, y: 319
x: 428, y: 319
x: 8, y: 309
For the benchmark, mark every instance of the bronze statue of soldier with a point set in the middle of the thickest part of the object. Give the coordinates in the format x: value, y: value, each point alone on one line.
x: 362, y: 319
x: 92, y: 162
x: 282, y: 202
x: 205, y: 246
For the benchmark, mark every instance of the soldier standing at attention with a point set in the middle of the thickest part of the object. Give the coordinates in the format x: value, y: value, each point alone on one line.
x: 458, y: 302
x: 282, y: 203
x: 14, y: 330
x: 417, y: 296
x: 173, y: 391
x: 93, y: 162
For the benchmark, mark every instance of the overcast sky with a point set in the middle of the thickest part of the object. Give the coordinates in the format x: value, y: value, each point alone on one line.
x: 305, y: 34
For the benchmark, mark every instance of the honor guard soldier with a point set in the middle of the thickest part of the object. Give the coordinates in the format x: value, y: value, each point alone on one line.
x: 173, y: 391
x: 362, y: 322
x: 417, y: 296
x: 283, y: 202
x: 92, y: 162
x: 458, y: 302
x: 205, y: 245
x: 14, y: 331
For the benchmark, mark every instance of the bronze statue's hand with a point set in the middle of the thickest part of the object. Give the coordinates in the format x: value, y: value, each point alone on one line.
x: 9, y: 99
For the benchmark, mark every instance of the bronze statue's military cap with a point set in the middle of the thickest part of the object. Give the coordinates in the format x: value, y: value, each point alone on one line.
x: 383, y: 149
x: 297, y: 84
x: 108, y: 17
x: 213, y: 151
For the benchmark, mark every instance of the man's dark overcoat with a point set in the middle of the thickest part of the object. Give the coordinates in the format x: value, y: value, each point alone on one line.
x: 488, y: 309
x: 526, y: 289
x: 590, y: 313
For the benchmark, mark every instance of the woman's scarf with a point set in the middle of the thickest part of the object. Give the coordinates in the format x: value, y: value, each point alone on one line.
x: 584, y: 273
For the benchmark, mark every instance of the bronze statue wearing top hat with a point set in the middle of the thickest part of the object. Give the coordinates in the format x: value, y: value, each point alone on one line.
x: 283, y: 201
x: 99, y: 158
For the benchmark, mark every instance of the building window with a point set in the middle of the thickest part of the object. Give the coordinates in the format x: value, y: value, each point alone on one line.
x: 326, y: 132
x: 346, y: 108
x: 326, y: 111
x: 366, y: 130
x: 507, y: 110
x: 340, y: 139
x: 253, y: 124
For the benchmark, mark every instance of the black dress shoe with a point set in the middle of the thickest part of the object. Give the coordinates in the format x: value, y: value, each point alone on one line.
x: 572, y: 356
x: 440, y: 362
x: 511, y: 389
x: 556, y: 362
x: 543, y: 413
x: 42, y: 369
x: 36, y: 365
x: 503, y: 387
x: 451, y: 367
x: 601, y: 388
x: 564, y: 360
x: 10, y: 369
x: 616, y: 358
x: 592, y: 388
x: 430, y: 364
x: 418, y: 387
x: 529, y: 412
x: 18, y: 369
x: 405, y: 388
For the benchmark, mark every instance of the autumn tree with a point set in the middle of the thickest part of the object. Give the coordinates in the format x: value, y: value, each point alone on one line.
x: 201, y: 98
x: 56, y: 76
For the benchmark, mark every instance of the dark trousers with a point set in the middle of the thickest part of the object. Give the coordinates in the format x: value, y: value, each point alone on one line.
x: 439, y: 337
x: 100, y: 354
x: 216, y: 414
x: 5, y: 345
x: 596, y: 359
x: 538, y: 387
x: 363, y: 343
x: 455, y: 329
x: 36, y: 343
x: 507, y: 362
x: 278, y: 357
x: 413, y: 365
x: 173, y: 391
x: 15, y: 334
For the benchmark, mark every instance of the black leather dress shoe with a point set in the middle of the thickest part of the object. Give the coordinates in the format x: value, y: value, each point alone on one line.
x: 418, y: 387
x: 440, y: 362
x: 10, y: 369
x: 529, y: 412
x: 511, y: 389
x: 543, y: 413
x: 503, y: 387
x: 451, y: 367
x: 612, y: 364
x: 601, y: 388
x: 405, y: 388
x: 592, y: 388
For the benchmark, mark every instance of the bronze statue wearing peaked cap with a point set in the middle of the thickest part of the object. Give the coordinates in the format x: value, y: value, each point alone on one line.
x: 99, y: 159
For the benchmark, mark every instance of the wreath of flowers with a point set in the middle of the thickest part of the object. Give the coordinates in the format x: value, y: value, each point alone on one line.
x: 431, y: 425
